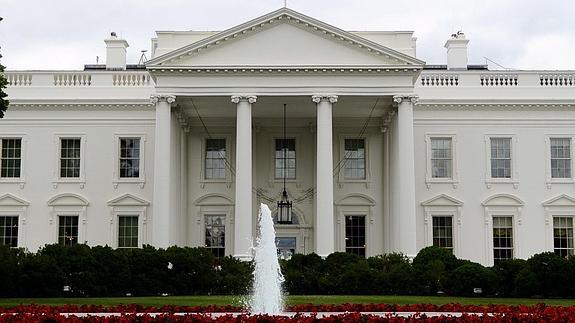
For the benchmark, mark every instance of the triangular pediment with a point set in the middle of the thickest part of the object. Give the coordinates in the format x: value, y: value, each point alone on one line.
x: 128, y: 200
x: 442, y: 200
x: 561, y: 200
x: 12, y: 200
x: 284, y: 38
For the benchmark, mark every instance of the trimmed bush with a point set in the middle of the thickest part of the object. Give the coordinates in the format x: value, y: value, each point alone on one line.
x: 465, y: 278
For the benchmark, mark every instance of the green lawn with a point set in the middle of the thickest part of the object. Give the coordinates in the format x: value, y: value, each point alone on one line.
x: 293, y: 299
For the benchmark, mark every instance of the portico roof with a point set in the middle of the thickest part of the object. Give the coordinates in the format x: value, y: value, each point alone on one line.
x: 284, y: 38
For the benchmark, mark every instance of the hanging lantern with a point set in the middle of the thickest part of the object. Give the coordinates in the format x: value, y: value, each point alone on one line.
x: 284, y: 205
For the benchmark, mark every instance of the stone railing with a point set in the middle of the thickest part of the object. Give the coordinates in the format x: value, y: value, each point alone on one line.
x: 496, y: 79
x: 79, y: 78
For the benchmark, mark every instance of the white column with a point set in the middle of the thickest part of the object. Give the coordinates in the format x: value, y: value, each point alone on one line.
x: 161, y: 220
x: 324, y: 220
x: 243, y: 212
x: 406, y: 175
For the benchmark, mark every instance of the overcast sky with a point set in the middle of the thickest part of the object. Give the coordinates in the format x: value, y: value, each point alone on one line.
x: 66, y: 34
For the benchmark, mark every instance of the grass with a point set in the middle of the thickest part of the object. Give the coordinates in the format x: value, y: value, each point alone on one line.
x: 291, y: 300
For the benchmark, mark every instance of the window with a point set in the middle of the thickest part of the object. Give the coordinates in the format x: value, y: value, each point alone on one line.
x: 563, y: 235
x: 500, y: 158
x: 127, y: 231
x: 560, y: 157
x: 285, y: 247
x: 70, y: 157
x: 354, y: 159
x: 215, y: 159
x: 68, y: 230
x: 441, y: 158
x: 9, y: 231
x: 443, y: 232
x: 355, y: 234
x: 11, y: 158
x: 129, y: 157
x: 216, y: 234
x: 285, y: 162
x: 502, y: 238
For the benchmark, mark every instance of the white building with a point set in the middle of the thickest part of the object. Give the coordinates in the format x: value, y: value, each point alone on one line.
x: 385, y: 153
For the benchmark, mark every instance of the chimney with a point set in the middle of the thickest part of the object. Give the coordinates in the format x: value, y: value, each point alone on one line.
x: 457, y: 51
x: 115, y: 52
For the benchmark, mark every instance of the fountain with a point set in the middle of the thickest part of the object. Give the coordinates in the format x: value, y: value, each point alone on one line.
x: 267, y: 294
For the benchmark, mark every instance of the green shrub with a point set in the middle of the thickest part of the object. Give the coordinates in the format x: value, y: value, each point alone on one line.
x: 507, y: 272
x: 303, y: 273
x: 464, y: 279
x: 432, y: 267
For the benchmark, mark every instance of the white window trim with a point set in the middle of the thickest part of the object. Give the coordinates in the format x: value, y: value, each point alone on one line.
x: 489, y: 181
x: 78, y: 207
x: 23, y: 151
x: 493, y: 210
x: 298, y: 158
x: 118, y: 211
x: 354, y: 204
x: 229, y: 178
x: 429, y: 180
x: 12, y: 205
x: 562, y: 205
x: 548, y: 179
x: 57, y: 146
x: 116, y: 180
x: 445, y: 211
x: 341, y: 171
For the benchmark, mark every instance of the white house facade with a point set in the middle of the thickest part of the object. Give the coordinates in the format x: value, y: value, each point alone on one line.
x: 382, y: 152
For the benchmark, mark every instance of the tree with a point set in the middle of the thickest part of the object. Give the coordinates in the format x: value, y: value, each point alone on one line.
x: 3, y: 83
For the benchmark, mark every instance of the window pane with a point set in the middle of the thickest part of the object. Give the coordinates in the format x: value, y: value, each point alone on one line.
x: 10, y: 158
x: 443, y: 232
x: 500, y: 157
x: 560, y: 157
x: 355, y: 234
x: 502, y: 238
x: 9, y: 231
x: 129, y: 157
x: 70, y: 157
x: 354, y: 163
x: 215, y: 234
x: 128, y: 231
x: 215, y: 163
x: 68, y: 230
x: 441, y: 157
x: 285, y: 158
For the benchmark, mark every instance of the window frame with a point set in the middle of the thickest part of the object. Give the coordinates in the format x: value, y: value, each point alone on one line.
x: 117, y: 229
x: 280, y: 179
x: 356, y: 204
x: 366, y: 229
x: 229, y: 157
x: 78, y: 229
x: 141, y: 180
x: 57, y: 179
x: 565, y: 216
x: 130, y: 205
x: 299, y: 157
x: 23, y: 151
x: 443, y: 205
x: 68, y: 204
x: 513, y: 237
x: 341, y: 173
x: 549, y: 180
x: 498, y: 205
x: 19, y: 221
x: 225, y: 225
x: 514, y: 179
x: 429, y: 179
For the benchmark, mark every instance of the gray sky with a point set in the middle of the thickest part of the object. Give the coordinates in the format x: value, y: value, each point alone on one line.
x: 66, y: 34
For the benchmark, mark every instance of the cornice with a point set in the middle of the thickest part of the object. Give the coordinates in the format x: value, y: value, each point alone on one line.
x: 284, y: 15
x: 384, y: 69
x: 516, y: 105
x: 80, y: 105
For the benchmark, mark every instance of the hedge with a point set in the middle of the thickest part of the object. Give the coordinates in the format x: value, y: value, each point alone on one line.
x: 104, y: 272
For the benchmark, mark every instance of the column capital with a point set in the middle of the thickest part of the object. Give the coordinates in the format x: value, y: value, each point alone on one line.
x: 250, y: 98
x: 317, y: 98
x: 413, y: 98
x: 155, y: 98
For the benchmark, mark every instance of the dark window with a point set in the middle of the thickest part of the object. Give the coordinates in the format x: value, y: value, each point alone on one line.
x: 11, y: 158
x: 129, y: 157
x: 70, y: 157
x: 443, y: 232
x: 216, y: 234
x: 563, y: 235
x: 128, y: 231
x: 215, y: 159
x: 9, y: 231
x: 68, y: 230
x: 285, y: 162
x: 502, y: 238
x: 354, y: 159
x: 355, y: 234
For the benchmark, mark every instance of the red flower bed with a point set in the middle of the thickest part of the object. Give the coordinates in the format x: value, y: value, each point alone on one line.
x: 353, y: 313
